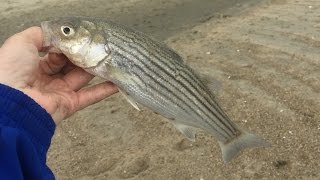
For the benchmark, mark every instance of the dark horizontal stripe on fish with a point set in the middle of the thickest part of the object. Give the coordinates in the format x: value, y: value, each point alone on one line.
x: 159, y: 53
x: 218, y: 116
x: 165, y: 89
x: 211, y: 100
x: 143, y: 44
x: 147, y: 74
x: 136, y: 44
x: 142, y: 47
x: 210, y: 104
x: 190, y: 92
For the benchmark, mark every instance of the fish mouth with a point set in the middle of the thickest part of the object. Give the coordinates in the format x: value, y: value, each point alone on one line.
x: 47, y: 42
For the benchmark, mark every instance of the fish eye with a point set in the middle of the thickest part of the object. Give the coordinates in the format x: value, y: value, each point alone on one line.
x: 67, y: 31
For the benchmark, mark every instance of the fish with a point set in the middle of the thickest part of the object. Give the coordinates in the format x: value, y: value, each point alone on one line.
x: 148, y: 73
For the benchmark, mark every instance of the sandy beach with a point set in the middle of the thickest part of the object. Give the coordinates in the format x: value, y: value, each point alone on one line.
x: 265, y: 53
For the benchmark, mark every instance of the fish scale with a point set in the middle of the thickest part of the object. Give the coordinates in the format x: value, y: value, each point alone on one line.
x: 178, y: 58
x: 161, y: 91
x: 180, y: 87
x: 172, y: 74
x: 149, y: 73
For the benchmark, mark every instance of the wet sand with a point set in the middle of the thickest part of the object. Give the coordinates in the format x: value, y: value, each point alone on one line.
x: 265, y: 53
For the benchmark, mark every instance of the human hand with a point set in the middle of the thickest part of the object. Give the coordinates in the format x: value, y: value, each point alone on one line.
x: 52, y: 81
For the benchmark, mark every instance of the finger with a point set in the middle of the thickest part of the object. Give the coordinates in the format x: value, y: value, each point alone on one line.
x: 52, y: 63
x: 96, y: 93
x: 77, y: 78
x: 68, y: 67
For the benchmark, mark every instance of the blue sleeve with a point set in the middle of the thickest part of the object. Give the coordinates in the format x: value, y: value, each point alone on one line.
x: 26, y: 130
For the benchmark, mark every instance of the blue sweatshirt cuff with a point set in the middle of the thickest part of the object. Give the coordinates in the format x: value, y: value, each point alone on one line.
x: 25, y: 114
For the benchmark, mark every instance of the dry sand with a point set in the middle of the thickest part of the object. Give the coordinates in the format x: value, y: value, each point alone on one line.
x: 267, y: 56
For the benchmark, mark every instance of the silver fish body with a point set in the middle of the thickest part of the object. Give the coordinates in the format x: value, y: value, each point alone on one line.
x: 149, y: 73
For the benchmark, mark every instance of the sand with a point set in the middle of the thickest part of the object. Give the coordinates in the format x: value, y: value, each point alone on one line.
x: 266, y: 54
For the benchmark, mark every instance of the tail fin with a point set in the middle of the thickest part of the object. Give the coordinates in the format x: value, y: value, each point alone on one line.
x: 243, y: 141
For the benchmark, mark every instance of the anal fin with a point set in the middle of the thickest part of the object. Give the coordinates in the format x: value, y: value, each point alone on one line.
x: 188, y: 131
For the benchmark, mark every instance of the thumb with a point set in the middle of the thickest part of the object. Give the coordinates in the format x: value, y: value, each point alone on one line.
x: 32, y: 35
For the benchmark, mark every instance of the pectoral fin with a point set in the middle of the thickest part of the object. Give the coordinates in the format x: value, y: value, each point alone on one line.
x: 188, y: 131
x: 130, y: 100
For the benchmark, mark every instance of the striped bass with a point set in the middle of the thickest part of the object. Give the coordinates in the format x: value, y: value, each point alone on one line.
x: 147, y: 73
